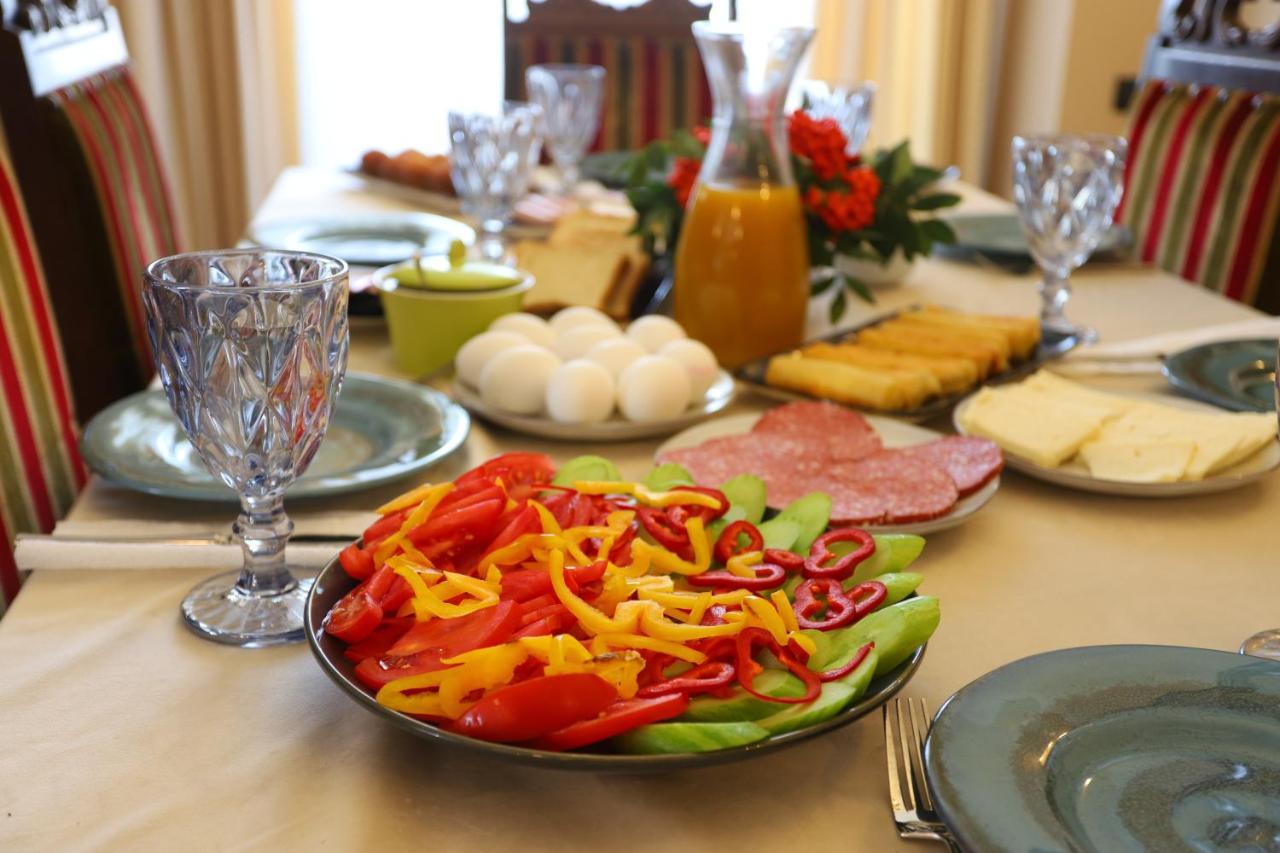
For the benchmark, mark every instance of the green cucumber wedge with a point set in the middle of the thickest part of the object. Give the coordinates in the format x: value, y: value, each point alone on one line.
x: 833, y: 699
x: 667, y: 476
x: 894, y: 552
x: 812, y: 512
x: 779, y: 533
x: 898, y: 585
x: 586, y: 468
x: 666, y: 738
x: 897, y: 631
x: 741, y: 705
x: 746, y: 501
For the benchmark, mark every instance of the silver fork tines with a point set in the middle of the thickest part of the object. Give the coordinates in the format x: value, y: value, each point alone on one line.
x: 905, y: 727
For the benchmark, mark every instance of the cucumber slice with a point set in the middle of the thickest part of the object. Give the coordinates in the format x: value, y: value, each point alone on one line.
x: 898, y: 585
x: 779, y: 533
x: 662, y: 738
x: 746, y: 501
x: 812, y: 512
x: 897, y: 631
x: 835, y: 696
x: 894, y: 552
x: 586, y: 468
x: 741, y: 705
x: 667, y: 476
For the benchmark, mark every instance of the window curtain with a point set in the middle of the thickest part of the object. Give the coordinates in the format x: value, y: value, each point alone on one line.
x: 936, y: 65
x: 219, y: 80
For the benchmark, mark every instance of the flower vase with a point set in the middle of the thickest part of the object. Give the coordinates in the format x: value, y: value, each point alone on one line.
x: 877, y: 275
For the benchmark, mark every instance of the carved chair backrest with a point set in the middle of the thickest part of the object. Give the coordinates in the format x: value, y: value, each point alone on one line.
x: 1216, y: 42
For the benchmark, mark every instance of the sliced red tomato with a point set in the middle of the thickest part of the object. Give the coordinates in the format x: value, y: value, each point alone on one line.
x: 397, y: 594
x: 545, y: 612
x: 541, y: 628
x: 377, y: 672
x: 520, y: 473
x: 487, y: 627
x: 376, y: 644
x: 513, y: 525
x: 619, y: 717
x: 358, y: 613
x: 537, y: 603
x: 385, y: 526
x: 525, y: 584
x: 533, y: 708
x: 474, y: 521
x: 466, y: 497
x: 356, y: 562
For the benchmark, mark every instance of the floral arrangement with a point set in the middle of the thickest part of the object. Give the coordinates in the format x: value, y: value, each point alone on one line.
x: 862, y: 209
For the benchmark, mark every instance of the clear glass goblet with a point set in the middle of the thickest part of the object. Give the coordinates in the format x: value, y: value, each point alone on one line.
x: 851, y: 109
x: 1067, y: 189
x: 491, y: 159
x: 1266, y: 644
x: 251, y: 347
x: 570, y: 97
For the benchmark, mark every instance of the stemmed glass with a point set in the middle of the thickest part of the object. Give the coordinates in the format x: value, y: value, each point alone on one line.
x: 851, y: 109
x: 1067, y: 189
x: 492, y: 158
x: 1266, y: 644
x: 570, y: 97
x: 251, y: 347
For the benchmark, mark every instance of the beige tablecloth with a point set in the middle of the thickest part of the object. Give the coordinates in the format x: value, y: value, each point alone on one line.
x: 120, y: 730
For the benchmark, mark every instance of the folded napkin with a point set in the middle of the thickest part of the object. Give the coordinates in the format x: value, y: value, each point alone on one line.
x: 51, y: 553
x: 1144, y: 355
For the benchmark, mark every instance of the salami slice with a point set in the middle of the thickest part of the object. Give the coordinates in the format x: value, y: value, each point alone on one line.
x: 840, y: 433
x: 776, y: 459
x: 970, y: 461
x: 913, y: 489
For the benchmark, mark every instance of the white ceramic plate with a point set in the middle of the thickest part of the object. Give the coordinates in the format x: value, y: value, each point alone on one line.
x: 1073, y: 474
x: 616, y: 428
x: 893, y: 433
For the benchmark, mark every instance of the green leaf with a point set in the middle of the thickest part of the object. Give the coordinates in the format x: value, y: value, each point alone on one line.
x: 685, y: 144
x: 935, y: 201
x: 900, y: 166
x: 837, y: 308
x: 926, y: 175
x: 937, y: 230
x: 821, y: 285
x: 863, y: 292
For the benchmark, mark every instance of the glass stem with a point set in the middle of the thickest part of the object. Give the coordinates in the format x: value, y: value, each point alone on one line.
x: 263, y: 529
x: 492, y: 247
x: 570, y: 172
x: 1055, y: 290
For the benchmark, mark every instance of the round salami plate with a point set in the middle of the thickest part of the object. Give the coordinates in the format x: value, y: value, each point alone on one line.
x: 893, y: 434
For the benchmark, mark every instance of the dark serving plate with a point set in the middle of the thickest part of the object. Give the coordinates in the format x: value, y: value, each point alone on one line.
x: 752, y: 373
x: 332, y: 583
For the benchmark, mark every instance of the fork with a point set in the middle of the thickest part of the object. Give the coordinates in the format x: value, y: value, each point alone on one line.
x: 904, y: 730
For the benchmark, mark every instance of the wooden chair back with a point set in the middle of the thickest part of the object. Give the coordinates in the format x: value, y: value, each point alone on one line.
x: 654, y: 80
x: 1211, y: 42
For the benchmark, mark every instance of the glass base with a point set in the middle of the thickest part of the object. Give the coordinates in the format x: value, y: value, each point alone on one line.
x: 217, y: 609
x: 1056, y: 339
x: 1265, y: 644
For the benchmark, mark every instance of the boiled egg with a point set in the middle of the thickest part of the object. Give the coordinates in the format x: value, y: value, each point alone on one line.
x: 477, y: 352
x: 515, y: 380
x: 653, y: 388
x: 654, y: 331
x: 580, y: 392
x: 575, y: 342
x: 697, y: 360
x: 616, y: 354
x: 579, y: 315
x: 531, y: 326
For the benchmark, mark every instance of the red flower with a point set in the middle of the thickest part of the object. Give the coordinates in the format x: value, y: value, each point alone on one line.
x: 820, y: 141
x: 850, y: 210
x: 702, y: 133
x: 684, y: 174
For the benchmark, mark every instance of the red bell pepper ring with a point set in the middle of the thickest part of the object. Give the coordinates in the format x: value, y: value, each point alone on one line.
x: 663, y: 528
x: 780, y: 557
x: 747, y: 668
x: 815, y: 564
x: 703, y: 678
x: 706, y: 513
x: 728, y: 544
x: 842, y: 607
x: 854, y: 662
x: 767, y: 576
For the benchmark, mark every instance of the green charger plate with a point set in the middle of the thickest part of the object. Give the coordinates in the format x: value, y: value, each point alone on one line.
x: 365, y: 239
x: 1113, y: 748
x: 381, y: 430
x: 1236, y: 375
x: 332, y: 583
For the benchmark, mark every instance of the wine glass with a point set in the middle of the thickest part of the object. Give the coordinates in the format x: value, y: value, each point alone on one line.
x: 570, y: 97
x: 1266, y: 644
x: 851, y: 109
x: 251, y: 346
x: 1067, y: 189
x: 492, y: 158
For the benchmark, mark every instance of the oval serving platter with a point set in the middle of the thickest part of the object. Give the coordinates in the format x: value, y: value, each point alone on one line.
x: 332, y: 583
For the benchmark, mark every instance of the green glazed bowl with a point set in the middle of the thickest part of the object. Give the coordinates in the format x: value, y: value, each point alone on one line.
x: 428, y: 327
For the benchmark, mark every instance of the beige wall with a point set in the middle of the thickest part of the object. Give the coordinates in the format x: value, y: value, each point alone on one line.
x: 1108, y: 38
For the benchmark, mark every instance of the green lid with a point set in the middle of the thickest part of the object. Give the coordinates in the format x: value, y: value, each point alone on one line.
x: 454, y: 273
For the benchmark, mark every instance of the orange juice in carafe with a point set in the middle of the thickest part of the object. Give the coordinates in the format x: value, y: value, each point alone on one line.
x: 741, y: 270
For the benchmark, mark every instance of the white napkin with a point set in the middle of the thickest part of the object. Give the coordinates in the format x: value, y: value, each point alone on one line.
x: 1144, y: 355
x: 51, y: 553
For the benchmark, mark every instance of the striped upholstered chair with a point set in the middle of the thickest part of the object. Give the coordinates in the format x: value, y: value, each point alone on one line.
x: 86, y: 158
x: 1202, y: 187
x: 654, y: 82
x: 40, y: 467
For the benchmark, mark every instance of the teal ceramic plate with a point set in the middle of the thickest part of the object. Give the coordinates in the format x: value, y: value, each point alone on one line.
x: 1236, y: 375
x: 332, y: 583
x: 381, y: 430
x: 999, y: 237
x: 1113, y: 748
x: 365, y: 239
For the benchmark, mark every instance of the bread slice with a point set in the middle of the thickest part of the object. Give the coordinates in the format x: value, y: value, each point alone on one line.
x: 915, y: 341
x: 954, y: 375
x: 583, y: 276
x: 843, y: 383
x: 923, y: 382
x: 1023, y: 332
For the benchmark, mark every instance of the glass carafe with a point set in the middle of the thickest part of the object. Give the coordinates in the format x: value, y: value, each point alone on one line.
x: 742, y: 261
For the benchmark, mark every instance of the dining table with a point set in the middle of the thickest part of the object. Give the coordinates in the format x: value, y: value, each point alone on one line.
x: 120, y: 729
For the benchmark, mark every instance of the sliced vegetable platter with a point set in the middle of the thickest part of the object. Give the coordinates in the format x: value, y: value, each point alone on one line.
x: 570, y: 618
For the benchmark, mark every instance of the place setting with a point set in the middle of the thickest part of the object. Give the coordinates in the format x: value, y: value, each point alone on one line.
x: 661, y: 417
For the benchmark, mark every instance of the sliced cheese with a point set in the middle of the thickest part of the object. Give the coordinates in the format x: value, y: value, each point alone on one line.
x: 1138, y: 462
x: 1066, y: 391
x: 1039, y: 431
